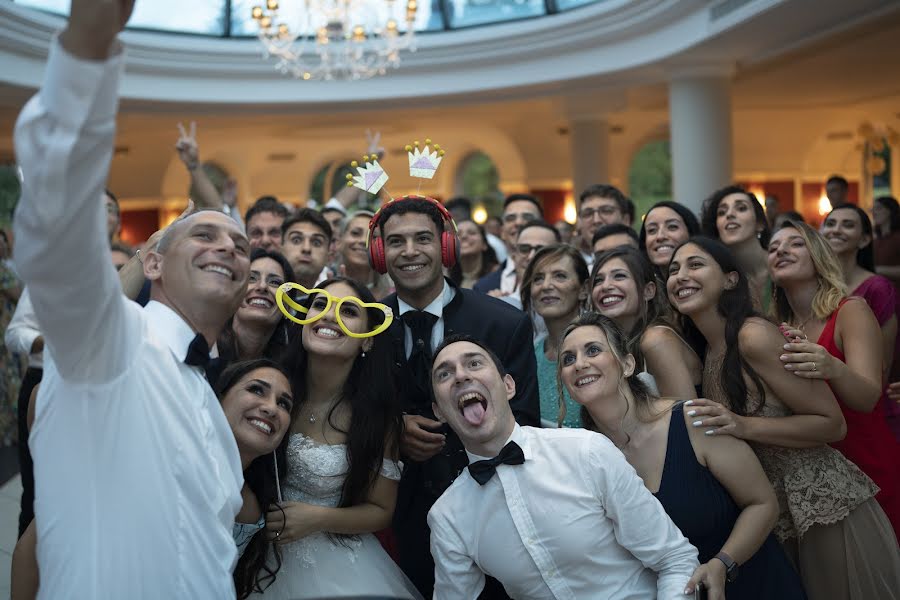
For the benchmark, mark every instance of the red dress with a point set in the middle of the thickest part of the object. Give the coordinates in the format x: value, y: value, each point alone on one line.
x: 869, y: 442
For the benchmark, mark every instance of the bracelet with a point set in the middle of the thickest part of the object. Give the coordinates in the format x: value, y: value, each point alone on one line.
x: 137, y: 253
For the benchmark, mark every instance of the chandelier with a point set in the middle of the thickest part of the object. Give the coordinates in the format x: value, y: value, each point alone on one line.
x: 336, y: 39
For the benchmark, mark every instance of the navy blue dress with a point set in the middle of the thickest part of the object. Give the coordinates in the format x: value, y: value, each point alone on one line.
x: 705, y: 513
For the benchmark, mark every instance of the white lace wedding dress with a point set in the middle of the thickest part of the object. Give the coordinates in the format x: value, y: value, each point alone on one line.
x: 317, y: 567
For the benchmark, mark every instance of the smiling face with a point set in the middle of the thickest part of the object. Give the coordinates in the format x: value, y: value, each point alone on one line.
x: 259, y: 307
x: 258, y: 409
x: 736, y: 219
x: 470, y: 241
x: 843, y: 231
x: 696, y: 281
x: 664, y: 229
x: 325, y: 338
x: 590, y: 371
x: 615, y: 293
x: 529, y: 242
x: 515, y: 215
x: 306, y: 248
x: 412, y: 248
x: 789, y: 259
x: 556, y: 292
x: 201, y: 263
x: 471, y: 396
x: 353, y: 243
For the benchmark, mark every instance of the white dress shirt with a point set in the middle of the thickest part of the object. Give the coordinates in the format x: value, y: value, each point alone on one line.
x: 437, y: 309
x: 573, y: 522
x: 137, y: 474
x: 23, y: 330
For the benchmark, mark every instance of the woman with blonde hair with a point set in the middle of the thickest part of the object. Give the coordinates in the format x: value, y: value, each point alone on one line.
x: 623, y: 288
x: 812, y: 304
x: 712, y: 487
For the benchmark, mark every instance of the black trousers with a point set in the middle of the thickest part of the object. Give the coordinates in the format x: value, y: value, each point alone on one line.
x: 26, y: 467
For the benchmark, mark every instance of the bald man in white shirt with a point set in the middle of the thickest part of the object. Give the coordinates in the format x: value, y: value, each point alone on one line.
x: 137, y: 474
x: 551, y: 513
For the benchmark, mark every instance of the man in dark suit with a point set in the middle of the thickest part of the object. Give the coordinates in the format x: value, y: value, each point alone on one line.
x: 518, y: 209
x: 429, y: 308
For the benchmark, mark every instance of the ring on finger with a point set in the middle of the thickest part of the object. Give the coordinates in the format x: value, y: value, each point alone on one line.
x: 815, y: 367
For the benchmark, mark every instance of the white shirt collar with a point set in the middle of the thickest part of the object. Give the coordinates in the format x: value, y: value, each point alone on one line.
x: 436, y: 307
x: 518, y: 436
x: 170, y: 328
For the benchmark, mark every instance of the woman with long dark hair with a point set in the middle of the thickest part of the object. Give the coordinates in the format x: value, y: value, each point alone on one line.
x: 836, y: 339
x: 342, y: 469
x: 665, y: 225
x: 849, y: 232
x: 476, y: 257
x: 258, y: 403
x: 735, y: 217
x: 258, y: 328
x: 624, y: 289
x: 828, y: 513
x: 712, y: 487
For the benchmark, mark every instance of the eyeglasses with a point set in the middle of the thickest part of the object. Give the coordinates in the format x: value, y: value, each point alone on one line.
x: 282, y: 298
x: 526, y: 249
x: 513, y: 217
x: 603, y: 211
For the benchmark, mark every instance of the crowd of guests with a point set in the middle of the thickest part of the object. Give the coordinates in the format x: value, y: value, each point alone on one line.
x: 430, y: 408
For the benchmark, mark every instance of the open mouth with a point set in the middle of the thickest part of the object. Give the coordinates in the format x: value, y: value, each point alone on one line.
x: 783, y: 263
x: 732, y: 226
x: 686, y: 292
x: 610, y: 300
x: 263, y: 426
x: 472, y: 406
x: 412, y: 268
x: 219, y: 269
x: 665, y: 249
x: 586, y: 380
x: 327, y: 332
x: 259, y: 302
x: 549, y: 300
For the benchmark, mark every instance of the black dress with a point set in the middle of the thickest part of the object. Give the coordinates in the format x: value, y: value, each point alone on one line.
x: 705, y: 513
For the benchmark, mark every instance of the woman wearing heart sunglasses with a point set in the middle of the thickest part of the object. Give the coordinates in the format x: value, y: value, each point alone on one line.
x: 342, y: 469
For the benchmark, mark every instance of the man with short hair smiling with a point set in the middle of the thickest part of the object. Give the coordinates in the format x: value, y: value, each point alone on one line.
x: 306, y: 243
x: 518, y: 210
x: 600, y: 205
x: 551, y: 513
x: 428, y: 307
x: 137, y: 474
x: 263, y: 222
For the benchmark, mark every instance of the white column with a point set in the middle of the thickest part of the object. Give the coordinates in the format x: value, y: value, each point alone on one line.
x: 589, y: 144
x: 701, y: 138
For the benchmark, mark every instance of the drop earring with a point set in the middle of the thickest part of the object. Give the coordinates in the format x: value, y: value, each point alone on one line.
x: 277, y: 482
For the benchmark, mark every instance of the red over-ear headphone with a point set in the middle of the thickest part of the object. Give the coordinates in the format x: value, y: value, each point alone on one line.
x: 449, y: 239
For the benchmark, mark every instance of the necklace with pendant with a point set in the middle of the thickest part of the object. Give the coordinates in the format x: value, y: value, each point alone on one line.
x: 312, y: 418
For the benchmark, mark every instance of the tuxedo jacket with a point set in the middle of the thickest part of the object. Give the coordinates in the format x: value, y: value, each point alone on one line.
x: 491, y: 281
x: 502, y: 328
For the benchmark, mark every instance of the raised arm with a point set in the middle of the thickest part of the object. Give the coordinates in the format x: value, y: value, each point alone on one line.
x: 641, y: 525
x: 205, y: 193
x: 64, y: 140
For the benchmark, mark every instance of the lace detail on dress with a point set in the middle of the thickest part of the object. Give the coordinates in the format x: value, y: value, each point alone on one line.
x: 814, y: 486
x: 316, y: 474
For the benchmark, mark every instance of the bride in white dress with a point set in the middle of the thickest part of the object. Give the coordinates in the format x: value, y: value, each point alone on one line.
x: 343, y: 473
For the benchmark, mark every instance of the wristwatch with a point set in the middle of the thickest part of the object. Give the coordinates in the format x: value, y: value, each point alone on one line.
x: 731, y: 567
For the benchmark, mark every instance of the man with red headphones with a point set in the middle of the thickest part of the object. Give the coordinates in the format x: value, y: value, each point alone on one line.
x: 413, y: 239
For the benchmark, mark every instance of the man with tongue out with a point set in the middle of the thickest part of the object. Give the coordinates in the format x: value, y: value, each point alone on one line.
x: 550, y: 513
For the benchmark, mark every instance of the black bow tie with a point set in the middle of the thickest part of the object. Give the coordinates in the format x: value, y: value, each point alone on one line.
x: 482, y: 470
x: 198, y: 353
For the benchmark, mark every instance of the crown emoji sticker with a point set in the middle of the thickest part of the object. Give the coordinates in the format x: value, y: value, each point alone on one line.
x: 423, y: 163
x: 371, y: 177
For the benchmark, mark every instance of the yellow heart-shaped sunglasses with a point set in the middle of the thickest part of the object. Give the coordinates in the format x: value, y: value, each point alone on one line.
x: 282, y: 298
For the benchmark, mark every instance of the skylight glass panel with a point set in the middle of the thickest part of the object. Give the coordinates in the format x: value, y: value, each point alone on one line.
x: 464, y: 13
x: 194, y: 16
